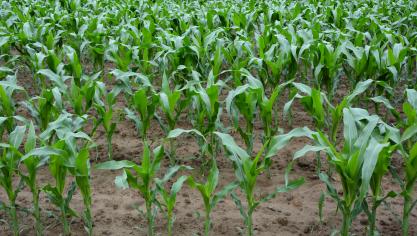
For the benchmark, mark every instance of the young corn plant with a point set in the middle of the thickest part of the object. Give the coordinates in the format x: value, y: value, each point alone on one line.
x: 326, y: 116
x: 82, y: 172
x: 74, y: 66
x: 105, y: 111
x: 7, y: 103
x: 267, y: 113
x: 34, y: 159
x: 206, y: 114
x: 81, y: 97
x: 146, y: 107
x: 140, y: 177
x: 45, y: 108
x: 169, y: 196
x: 355, y: 162
x: 381, y: 167
x: 407, y: 148
x: 210, y: 197
x: 248, y: 169
x: 207, y: 189
x: 172, y: 106
x: 243, y: 100
x: 70, y: 157
x: 59, y: 171
x: 9, y: 169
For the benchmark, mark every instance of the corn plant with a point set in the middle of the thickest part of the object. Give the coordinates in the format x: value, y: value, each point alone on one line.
x: 145, y: 107
x: 7, y: 103
x: 326, y: 116
x: 210, y: 197
x: 208, y: 111
x: 381, y: 166
x: 243, y: 100
x: 169, y: 196
x: 34, y: 159
x: 62, y: 162
x: 81, y: 97
x: 71, y: 157
x: 121, y: 54
x: 207, y: 189
x: 74, y: 66
x: 248, y: 169
x: 172, y: 106
x: 105, y: 111
x: 56, y: 194
x: 409, y: 153
x: 407, y: 148
x: 140, y: 177
x: 45, y: 108
x: 267, y: 112
x: 82, y: 172
x: 327, y: 66
x: 355, y: 162
x: 9, y: 166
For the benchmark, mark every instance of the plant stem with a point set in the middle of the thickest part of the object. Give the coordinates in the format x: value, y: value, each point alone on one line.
x: 372, y: 219
x: 249, y: 224
x: 251, y: 203
x: 318, y: 161
x: 13, y: 216
x: 109, y: 148
x: 65, y: 221
x: 170, y: 223
x: 150, y: 217
x: 37, y: 213
x: 406, y: 215
x: 207, y: 223
x: 346, y: 224
x: 88, y: 220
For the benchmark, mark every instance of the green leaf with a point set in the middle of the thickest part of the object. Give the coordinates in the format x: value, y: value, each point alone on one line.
x: 308, y: 148
x: 371, y: 157
x: 115, y: 165
x: 279, y: 141
x: 10, y: 85
x: 231, y: 146
x: 82, y: 163
x: 223, y: 192
x: 177, y: 132
x: 232, y: 94
x: 2, y: 120
x: 409, y: 133
x: 30, y: 143
x: 16, y: 137
x: 176, y: 187
x: 121, y: 181
x: 383, y: 100
x: 412, y: 97
x: 350, y: 132
x: 361, y: 87
x: 43, y: 151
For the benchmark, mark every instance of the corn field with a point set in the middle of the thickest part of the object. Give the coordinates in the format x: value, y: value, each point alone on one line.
x: 232, y: 117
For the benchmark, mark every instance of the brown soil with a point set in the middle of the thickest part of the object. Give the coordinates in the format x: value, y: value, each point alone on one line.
x: 295, y: 213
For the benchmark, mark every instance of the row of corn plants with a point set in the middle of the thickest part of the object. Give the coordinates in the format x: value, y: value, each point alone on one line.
x: 221, y: 67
